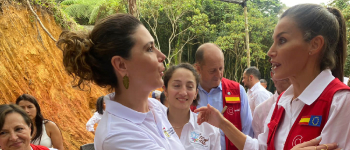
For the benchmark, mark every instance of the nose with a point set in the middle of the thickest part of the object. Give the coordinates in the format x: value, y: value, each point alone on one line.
x: 26, y: 110
x: 161, y: 56
x: 13, y: 136
x: 183, y: 91
x: 272, y: 52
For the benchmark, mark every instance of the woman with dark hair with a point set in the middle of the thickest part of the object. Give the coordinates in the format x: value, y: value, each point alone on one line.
x: 100, y: 108
x: 45, y: 132
x: 309, y: 49
x: 119, y: 53
x: 15, y: 129
x: 181, y: 89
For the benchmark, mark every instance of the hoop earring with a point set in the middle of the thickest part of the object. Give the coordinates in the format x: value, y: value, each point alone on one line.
x: 126, y: 81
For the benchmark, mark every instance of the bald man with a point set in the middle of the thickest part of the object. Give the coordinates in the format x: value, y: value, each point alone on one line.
x: 220, y: 92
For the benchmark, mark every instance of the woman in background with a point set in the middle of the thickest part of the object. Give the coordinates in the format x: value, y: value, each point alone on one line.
x: 15, y: 129
x: 181, y: 90
x: 45, y: 132
x: 100, y: 108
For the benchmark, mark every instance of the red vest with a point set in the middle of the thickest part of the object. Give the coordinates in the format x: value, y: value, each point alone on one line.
x: 233, y: 112
x: 230, y: 89
x: 310, y: 121
x: 38, y: 147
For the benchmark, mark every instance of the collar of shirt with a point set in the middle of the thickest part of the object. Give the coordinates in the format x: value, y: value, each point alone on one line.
x: 256, y: 86
x: 192, y: 120
x: 126, y: 113
x: 214, y: 88
x: 312, y: 91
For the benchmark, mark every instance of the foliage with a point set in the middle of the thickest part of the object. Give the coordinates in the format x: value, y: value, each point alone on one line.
x: 179, y: 27
x: 180, y: 22
x: 344, y: 6
x: 88, y: 11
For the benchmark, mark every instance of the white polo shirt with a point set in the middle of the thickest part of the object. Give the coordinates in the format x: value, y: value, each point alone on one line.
x: 260, y: 114
x: 256, y: 95
x: 124, y: 128
x: 200, y: 137
x: 337, y: 128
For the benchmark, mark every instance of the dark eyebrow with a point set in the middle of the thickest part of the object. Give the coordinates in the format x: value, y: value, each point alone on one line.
x: 279, y: 34
x: 147, y: 45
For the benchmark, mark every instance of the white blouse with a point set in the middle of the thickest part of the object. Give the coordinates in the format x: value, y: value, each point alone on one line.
x: 125, y: 128
x: 92, y: 121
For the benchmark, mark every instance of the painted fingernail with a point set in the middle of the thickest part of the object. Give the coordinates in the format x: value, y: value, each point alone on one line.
x: 318, y: 138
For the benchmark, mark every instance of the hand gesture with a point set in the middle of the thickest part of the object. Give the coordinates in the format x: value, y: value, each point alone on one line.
x: 209, y: 114
x: 313, y: 145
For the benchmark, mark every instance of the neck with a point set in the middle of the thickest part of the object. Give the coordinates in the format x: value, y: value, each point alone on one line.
x: 178, y: 117
x: 302, y: 80
x: 253, y: 83
x: 133, y: 98
x: 206, y: 88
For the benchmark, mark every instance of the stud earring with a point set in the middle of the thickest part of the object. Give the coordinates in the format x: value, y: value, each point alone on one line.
x: 126, y: 81
x: 310, y: 52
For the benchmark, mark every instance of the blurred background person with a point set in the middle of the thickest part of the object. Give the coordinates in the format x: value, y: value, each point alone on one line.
x: 15, y: 129
x: 156, y: 94
x: 263, y: 82
x: 181, y: 89
x: 163, y: 99
x: 256, y: 92
x: 45, y: 132
x: 100, y: 108
x: 263, y: 109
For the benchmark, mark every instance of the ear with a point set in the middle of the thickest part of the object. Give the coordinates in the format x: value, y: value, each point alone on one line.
x: 197, y: 67
x: 195, y: 95
x: 119, y: 65
x: 251, y: 77
x: 317, y: 44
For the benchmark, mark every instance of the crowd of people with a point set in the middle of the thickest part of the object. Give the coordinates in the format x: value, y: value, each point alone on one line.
x: 199, y: 108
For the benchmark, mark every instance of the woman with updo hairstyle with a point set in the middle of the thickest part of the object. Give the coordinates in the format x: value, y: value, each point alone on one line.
x: 45, y: 132
x: 100, y: 108
x: 16, y: 128
x: 181, y: 90
x: 309, y: 49
x: 120, y: 54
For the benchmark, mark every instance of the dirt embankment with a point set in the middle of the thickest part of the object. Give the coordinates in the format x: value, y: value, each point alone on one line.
x: 31, y: 63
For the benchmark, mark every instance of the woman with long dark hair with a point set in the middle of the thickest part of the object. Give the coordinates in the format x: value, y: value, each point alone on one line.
x: 120, y: 54
x: 45, y: 132
x: 100, y: 108
x: 309, y: 49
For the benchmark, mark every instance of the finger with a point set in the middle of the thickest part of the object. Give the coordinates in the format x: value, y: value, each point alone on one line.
x: 330, y: 146
x: 200, y: 109
x: 312, y: 142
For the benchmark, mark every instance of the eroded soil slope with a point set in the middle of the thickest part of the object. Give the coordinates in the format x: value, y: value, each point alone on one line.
x: 31, y: 63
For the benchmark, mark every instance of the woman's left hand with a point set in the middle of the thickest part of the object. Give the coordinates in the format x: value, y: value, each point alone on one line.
x: 313, y: 145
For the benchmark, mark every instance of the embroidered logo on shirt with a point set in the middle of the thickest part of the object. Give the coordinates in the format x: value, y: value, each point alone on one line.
x: 311, y: 121
x: 168, y: 132
x: 297, y: 140
x: 198, y: 139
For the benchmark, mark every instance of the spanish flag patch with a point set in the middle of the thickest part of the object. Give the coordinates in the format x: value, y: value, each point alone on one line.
x: 311, y: 121
x: 232, y: 99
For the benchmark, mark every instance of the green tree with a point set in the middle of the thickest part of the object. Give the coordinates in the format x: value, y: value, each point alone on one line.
x: 89, y: 11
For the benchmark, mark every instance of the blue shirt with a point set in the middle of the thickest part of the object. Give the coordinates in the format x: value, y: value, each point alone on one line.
x: 214, y: 98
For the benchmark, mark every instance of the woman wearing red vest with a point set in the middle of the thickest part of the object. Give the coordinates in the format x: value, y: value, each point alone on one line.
x: 310, y: 49
x: 15, y: 129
